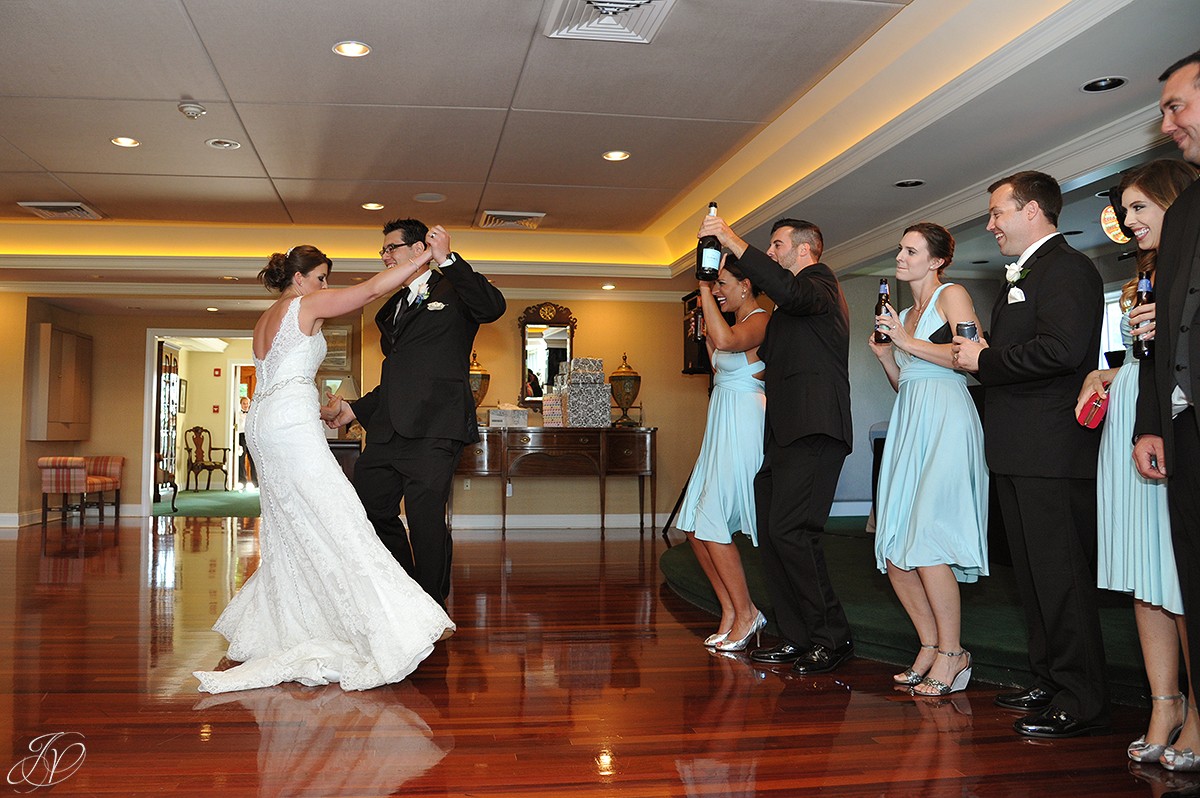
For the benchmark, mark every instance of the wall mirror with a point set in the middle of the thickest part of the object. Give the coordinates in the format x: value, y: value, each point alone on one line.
x: 547, y: 331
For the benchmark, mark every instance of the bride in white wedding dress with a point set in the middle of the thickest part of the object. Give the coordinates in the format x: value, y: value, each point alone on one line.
x: 328, y: 602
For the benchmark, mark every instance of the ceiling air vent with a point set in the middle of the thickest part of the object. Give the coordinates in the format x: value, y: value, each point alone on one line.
x: 60, y: 210
x: 607, y: 20
x: 511, y: 220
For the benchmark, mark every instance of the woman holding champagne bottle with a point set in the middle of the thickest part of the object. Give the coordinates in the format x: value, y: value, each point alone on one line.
x: 719, y: 500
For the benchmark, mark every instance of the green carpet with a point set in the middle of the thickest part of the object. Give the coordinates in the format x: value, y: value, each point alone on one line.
x: 993, y: 624
x: 211, y: 504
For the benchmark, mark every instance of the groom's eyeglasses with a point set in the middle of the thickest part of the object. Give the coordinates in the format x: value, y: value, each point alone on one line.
x: 388, y: 249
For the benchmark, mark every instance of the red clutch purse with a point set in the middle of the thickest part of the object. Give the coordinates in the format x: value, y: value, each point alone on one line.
x: 1093, y: 412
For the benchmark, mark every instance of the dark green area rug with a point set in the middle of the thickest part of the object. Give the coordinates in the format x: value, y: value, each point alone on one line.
x: 993, y: 626
x: 211, y: 504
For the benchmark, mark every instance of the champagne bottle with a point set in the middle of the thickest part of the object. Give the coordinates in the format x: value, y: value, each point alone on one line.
x: 708, y: 253
x: 1144, y: 296
x: 885, y: 298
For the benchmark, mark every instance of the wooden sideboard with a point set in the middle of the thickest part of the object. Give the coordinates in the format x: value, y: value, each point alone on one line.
x: 600, y: 452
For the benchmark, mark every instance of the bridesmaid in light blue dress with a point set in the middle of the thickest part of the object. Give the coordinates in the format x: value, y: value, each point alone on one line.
x: 719, y: 500
x: 931, y: 509
x: 1134, y: 550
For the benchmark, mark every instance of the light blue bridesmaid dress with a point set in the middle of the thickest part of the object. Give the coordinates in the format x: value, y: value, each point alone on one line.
x: 933, y: 482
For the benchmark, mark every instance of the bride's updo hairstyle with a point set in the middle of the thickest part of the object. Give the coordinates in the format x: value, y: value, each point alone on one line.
x: 283, y: 266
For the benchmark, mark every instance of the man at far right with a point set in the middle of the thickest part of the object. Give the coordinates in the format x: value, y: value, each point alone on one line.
x: 1166, y: 432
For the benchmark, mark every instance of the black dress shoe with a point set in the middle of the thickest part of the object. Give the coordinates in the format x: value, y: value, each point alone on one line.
x: 1024, y: 701
x: 1055, y: 724
x: 776, y: 655
x: 822, y: 659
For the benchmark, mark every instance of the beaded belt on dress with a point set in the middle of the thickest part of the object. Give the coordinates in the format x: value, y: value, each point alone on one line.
x: 299, y: 380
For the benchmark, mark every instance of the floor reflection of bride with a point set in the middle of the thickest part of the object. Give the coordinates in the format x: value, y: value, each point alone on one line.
x: 321, y: 741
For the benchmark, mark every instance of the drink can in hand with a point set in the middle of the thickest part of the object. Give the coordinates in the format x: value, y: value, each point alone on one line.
x: 967, y: 329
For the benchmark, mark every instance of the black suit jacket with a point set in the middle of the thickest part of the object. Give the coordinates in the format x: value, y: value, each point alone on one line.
x: 1040, y: 351
x: 424, y: 389
x: 806, y: 349
x: 1177, y: 275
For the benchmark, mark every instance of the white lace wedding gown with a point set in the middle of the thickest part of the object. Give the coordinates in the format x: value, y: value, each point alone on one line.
x: 328, y: 602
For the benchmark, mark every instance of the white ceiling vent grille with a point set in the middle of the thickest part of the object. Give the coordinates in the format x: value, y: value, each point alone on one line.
x: 60, y: 210
x: 513, y: 220
x: 607, y: 20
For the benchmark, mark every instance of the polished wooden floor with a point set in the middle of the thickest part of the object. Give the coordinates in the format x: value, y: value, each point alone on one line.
x: 573, y: 672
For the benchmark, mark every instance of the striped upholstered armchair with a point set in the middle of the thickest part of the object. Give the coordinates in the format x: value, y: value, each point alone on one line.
x: 89, y: 478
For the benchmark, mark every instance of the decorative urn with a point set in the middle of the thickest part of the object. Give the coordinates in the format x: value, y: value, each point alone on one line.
x: 625, y: 384
x: 479, y: 379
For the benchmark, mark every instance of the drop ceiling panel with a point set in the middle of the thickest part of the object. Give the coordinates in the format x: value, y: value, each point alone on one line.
x: 565, y: 149
x: 179, y: 198
x: 338, y: 201
x: 711, y: 60
x: 374, y: 142
x: 13, y: 160
x: 30, y: 187
x: 582, y: 208
x: 74, y: 136
x: 466, y: 54
x: 132, y: 49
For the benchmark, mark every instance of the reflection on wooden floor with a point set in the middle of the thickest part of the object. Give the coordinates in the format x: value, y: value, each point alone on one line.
x: 573, y: 672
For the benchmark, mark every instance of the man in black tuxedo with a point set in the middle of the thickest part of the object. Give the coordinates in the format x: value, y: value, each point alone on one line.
x: 808, y: 436
x: 1045, y: 338
x: 1167, y: 441
x: 421, y: 414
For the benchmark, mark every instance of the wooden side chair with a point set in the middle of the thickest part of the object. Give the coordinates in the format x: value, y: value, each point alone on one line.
x: 203, y: 456
x: 164, y: 477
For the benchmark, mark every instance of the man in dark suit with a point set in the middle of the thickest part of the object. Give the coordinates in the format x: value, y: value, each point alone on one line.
x: 421, y: 414
x: 808, y: 436
x: 1045, y: 338
x: 1167, y: 441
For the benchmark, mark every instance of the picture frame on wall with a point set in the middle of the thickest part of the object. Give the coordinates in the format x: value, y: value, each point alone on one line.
x: 183, y: 396
x: 337, y: 347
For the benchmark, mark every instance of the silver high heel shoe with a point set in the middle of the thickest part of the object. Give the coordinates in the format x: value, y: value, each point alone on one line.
x: 1141, y: 751
x: 740, y: 645
x: 713, y: 640
x: 911, y: 677
x: 941, y: 688
x: 1180, y: 759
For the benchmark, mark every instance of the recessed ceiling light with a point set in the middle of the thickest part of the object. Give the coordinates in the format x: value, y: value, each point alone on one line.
x: 212, y: 310
x: 910, y: 183
x: 979, y: 262
x: 1072, y: 232
x: 125, y: 141
x: 615, y: 155
x: 1102, y: 84
x: 351, y: 49
x: 607, y: 287
x: 223, y: 144
x: 97, y: 276
x: 229, y: 278
x: 356, y: 279
x: 429, y: 197
x: 1102, y: 195
x: 372, y: 206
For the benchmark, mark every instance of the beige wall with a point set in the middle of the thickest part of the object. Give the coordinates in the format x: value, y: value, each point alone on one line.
x: 649, y: 332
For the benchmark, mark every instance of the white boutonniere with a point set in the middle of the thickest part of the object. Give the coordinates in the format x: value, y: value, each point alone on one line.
x: 436, y: 305
x: 1014, y: 274
x: 1015, y: 295
x: 421, y: 297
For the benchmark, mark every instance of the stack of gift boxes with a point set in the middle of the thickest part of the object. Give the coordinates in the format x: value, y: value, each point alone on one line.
x: 589, y: 398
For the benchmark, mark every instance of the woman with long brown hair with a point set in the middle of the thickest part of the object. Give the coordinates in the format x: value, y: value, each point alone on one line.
x: 1134, y: 553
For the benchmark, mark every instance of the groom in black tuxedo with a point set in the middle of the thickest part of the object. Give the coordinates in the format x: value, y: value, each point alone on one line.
x: 422, y: 413
x: 1045, y: 338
